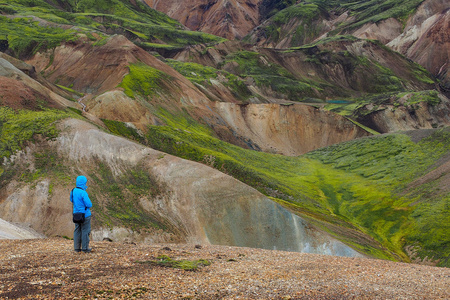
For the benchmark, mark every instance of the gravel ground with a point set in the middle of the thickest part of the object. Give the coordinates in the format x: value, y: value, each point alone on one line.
x: 50, y: 269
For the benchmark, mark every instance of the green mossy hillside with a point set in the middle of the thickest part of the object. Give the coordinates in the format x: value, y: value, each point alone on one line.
x: 196, y: 73
x: 26, y: 37
x: 327, y: 69
x: 143, y: 80
x: 305, y: 30
x: 116, y: 198
x: 204, y: 75
x: 393, y: 163
x: 20, y: 127
x: 35, y: 25
x: 364, y: 72
x: 271, y: 75
x: 374, y: 11
x: 352, y: 184
x: 122, y: 129
x: 303, y: 21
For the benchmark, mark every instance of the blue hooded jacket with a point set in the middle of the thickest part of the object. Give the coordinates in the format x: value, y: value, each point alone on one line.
x: 80, y: 199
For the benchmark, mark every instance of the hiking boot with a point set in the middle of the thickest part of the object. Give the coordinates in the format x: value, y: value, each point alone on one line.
x: 87, y: 250
x: 77, y: 250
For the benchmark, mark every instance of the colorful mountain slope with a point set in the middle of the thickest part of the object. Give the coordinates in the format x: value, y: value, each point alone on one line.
x: 382, y: 195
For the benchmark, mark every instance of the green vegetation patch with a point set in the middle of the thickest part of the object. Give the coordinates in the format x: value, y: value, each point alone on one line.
x: 430, y: 235
x: 362, y: 12
x: 374, y: 11
x: 122, y: 193
x: 20, y: 127
x: 143, y: 80
x: 36, y: 25
x: 412, y: 98
x: 187, y: 265
x: 356, y: 184
x: 326, y: 40
x: 365, y: 11
x: 202, y: 75
x: 271, y: 75
x: 392, y: 162
x: 142, y: 22
x: 122, y: 129
x: 72, y: 91
x: 47, y: 164
x: 26, y: 36
x: 196, y: 73
x: 422, y: 74
x: 305, y: 13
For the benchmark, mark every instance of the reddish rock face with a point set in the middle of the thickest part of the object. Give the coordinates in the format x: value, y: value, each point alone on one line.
x: 20, y: 91
x: 426, y: 39
x: 292, y: 129
x: 230, y: 19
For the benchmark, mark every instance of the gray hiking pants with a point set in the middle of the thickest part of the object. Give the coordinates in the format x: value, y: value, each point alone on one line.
x: 81, y: 235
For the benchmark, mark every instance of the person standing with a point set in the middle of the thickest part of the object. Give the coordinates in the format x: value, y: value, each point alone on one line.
x: 81, y: 205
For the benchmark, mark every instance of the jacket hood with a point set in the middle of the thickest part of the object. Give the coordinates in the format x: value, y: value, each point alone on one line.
x: 81, y: 182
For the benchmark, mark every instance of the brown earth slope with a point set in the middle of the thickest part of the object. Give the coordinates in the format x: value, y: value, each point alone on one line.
x: 18, y: 90
x: 98, y: 71
x: 290, y: 129
x: 50, y: 269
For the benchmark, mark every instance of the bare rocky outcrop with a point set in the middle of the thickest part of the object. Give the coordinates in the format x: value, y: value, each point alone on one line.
x: 17, y: 231
x: 384, y: 31
x: 425, y: 39
x: 231, y: 19
x: 19, y: 90
x: 391, y: 118
x: 289, y: 129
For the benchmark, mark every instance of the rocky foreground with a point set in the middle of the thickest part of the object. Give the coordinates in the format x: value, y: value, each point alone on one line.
x: 50, y: 269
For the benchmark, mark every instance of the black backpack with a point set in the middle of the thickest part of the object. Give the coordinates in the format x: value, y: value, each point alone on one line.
x: 77, y: 217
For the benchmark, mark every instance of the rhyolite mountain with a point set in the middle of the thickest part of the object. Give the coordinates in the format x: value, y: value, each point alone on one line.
x: 267, y: 140
x: 416, y: 29
x: 226, y: 18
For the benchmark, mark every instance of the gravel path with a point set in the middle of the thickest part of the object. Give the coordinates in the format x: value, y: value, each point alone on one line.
x: 48, y: 268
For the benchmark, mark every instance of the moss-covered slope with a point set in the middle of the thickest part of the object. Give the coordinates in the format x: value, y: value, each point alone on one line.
x: 337, y: 67
x: 30, y: 26
x: 292, y: 24
x: 354, y: 186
